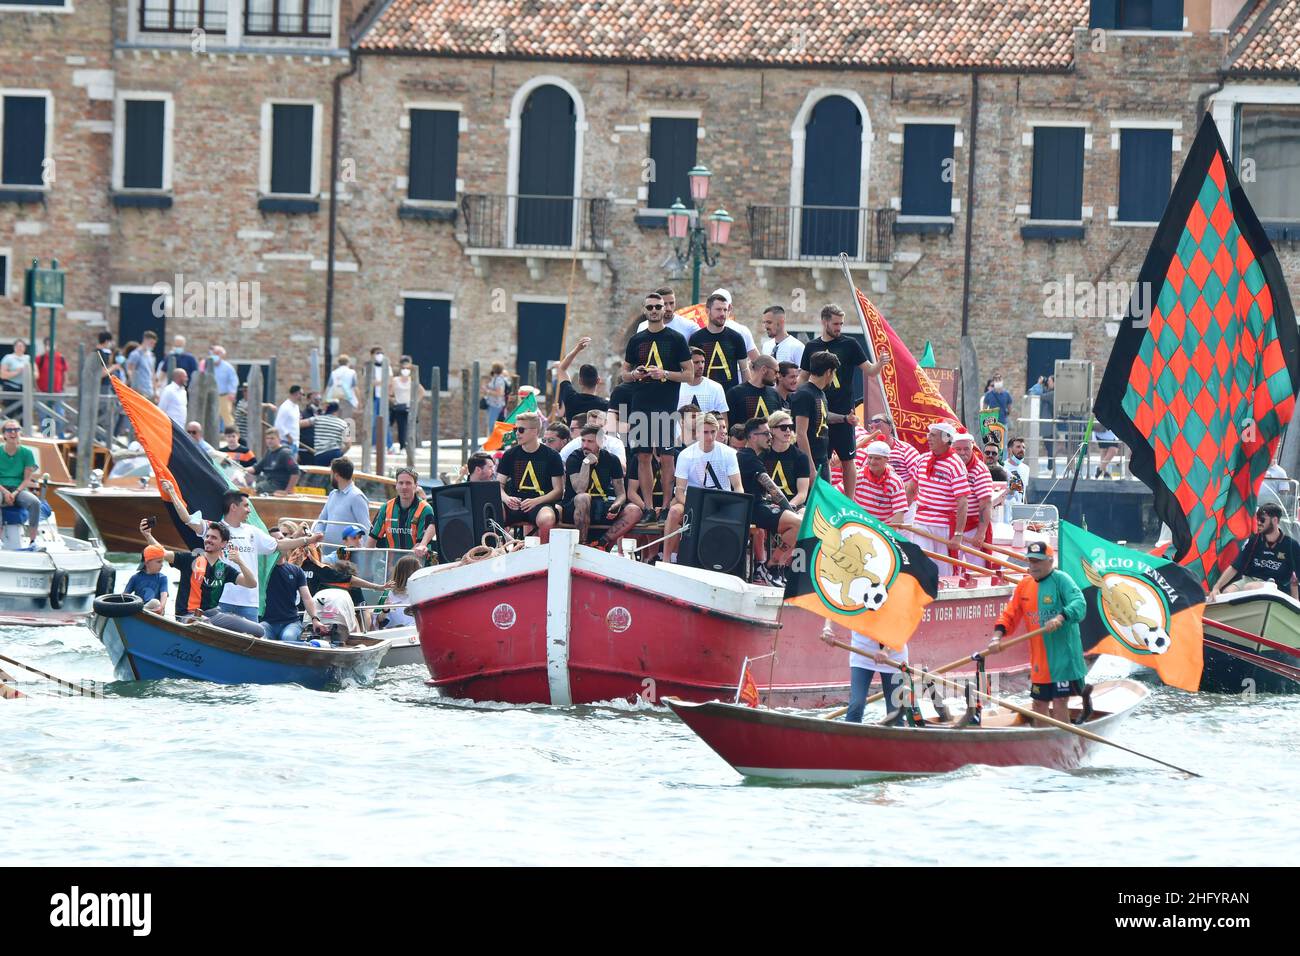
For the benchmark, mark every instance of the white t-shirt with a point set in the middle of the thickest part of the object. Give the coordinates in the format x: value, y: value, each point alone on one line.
x: 287, y: 418
x: 678, y: 324
x: 711, y: 469
x: 250, y: 542
x: 745, y: 334
x: 174, y: 402
x: 862, y: 642
x: 612, y: 444
x: 708, y: 394
x: 789, y: 349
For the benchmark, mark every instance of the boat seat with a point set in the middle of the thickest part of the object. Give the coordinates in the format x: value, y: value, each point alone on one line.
x: 16, y: 514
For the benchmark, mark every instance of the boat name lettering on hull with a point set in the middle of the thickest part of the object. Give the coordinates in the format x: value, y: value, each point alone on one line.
x: 962, y: 612
x: 181, y: 654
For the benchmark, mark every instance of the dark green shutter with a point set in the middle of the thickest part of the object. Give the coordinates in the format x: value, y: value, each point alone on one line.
x: 291, y: 148
x: 433, y: 154
x: 1058, y: 173
x: 927, y: 156
x: 146, y: 129
x: 426, y: 336
x: 672, y: 147
x: 1145, y: 173
x: 24, y: 141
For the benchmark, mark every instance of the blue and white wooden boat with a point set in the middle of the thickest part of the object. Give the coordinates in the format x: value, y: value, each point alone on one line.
x: 147, y: 646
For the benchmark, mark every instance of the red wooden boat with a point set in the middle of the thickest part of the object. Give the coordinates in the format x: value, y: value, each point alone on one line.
x: 772, y: 745
x: 566, y: 624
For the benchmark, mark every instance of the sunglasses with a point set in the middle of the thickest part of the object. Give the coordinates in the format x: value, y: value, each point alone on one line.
x: 653, y: 308
x: 784, y: 428
x: 12, y: 431
x: 1259, y: 515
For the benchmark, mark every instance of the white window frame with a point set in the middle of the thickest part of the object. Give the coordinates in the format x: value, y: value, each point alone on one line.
x: 6, y: 288
x: 404, y: 294
x: 515, y: 125
x: 1085, y: 211
x: 264, y: 164
x: 119, y: 139
x: 49, y: 133
x: 653, y: 114
x: 798, y: 137
x: 404, y: 124
x: 34, y: 8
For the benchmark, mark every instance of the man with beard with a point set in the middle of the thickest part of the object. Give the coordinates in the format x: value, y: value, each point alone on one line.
x: 723, y: 347
x: 594, y: 490
x: 346, y: 504
x: 756, y: 398
x: 787, y: 382
x: 779, y: 344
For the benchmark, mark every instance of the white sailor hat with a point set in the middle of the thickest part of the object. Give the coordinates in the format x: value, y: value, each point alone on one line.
x: 944, y: 428
x: 878, y: 448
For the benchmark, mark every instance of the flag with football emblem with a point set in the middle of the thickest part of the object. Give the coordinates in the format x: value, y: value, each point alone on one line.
x: 1141, y: 607
x: 857, y: 571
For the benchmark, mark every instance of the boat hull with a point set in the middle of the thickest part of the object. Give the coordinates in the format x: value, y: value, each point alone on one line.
x: 1237, y: 665
x: 564, y: 624
x: 26, y: 579
x: 146, y: 646
x: 772, y: 745
x: 113, y: 514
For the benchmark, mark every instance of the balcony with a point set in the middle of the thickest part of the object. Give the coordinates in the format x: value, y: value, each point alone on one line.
x: 812, y: 238
x: 537, y: 229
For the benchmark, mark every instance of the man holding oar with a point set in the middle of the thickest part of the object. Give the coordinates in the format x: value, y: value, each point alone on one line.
x: 1056, y: 665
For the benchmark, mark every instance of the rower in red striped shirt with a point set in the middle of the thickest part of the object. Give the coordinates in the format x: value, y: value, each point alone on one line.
x: 880, y: 490
x: 980, y: 504
x: 942, y: 492
x: 902, y: 456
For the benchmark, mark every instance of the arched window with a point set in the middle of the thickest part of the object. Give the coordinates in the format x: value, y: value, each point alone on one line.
x: 832, y: 179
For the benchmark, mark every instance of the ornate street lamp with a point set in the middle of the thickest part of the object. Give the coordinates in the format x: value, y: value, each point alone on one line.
x: 693, y: 241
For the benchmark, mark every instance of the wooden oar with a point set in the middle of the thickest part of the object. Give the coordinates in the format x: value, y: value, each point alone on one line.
x: 968, y: 549
x: 1026, y: 712
x: 7, y: 692
x: 957, y: 562
x: 79, y: 688
x: 943, y: 669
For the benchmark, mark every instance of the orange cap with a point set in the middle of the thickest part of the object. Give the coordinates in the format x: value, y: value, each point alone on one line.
x: 154, y: 552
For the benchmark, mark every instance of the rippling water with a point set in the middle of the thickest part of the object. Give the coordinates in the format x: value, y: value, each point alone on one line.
x: 178, y: 772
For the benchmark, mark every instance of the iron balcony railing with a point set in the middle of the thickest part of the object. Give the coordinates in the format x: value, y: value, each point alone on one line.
x: 793, y: 233
x: 494, y: 221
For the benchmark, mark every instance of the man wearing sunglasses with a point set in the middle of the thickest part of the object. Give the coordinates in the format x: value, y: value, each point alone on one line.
x: 532, y: 478
x: 18, y: 475
x: 787, y: 465
x: 1268, y: 555
x: 902, y: 456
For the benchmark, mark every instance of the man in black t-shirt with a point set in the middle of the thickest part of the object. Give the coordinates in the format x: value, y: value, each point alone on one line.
x: 812, y: 418
x: 594, y: 490
x: 277, y: 470
x: 574, y: 403
x: 771, y: 511
x: 756, y: 398
x: 787, y: 465
x: 532, y: 478
x: 656, y: 362
x: 839, y: 393
x: 1268, y: 555
x: 724, y: 348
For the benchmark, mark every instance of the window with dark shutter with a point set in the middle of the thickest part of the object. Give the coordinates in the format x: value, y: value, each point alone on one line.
x: 426, y: 336
x: 4, y: 275
x: 1145, y: 173
x: 672, y: 155
x: 142, y: 153
x: 1058, y: 173
x: 22, y: 155
x: 927, y: 169
x: 431, y: 170
x: 1136, y: 15
x: 292, y: 148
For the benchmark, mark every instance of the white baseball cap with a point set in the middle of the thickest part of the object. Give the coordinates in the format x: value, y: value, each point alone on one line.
x: 878, y: 448
x: 944, y: 428
x: 724, y: 293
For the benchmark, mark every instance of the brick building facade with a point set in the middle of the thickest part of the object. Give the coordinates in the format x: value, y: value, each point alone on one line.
x: 820, y: 137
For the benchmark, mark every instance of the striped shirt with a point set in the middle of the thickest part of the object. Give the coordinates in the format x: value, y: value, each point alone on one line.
x: 903, y: 458
x: 883, y: 499
x: 936, y: 496
x: 329, y: 433
x: 980, y: 482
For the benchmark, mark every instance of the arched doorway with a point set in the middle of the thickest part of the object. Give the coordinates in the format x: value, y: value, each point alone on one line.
x: 547, y: 147
x: 832, y: 177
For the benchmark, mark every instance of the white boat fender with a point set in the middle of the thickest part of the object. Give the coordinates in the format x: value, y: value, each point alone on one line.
x: 58, y: 588
x: 118, y: 605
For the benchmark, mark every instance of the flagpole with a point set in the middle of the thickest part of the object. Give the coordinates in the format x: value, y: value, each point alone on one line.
x: 741, y: 683
x: 1078, y: 466
x: 871, y: 351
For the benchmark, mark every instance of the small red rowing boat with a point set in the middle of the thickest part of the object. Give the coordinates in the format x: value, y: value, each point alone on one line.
x: 783, y: 746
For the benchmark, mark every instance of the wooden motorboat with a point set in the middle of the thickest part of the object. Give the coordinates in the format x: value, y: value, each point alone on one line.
x: 776, y: 745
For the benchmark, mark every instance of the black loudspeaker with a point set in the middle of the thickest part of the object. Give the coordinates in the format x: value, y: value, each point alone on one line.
x: 719, y: 534
x: 462, y: 514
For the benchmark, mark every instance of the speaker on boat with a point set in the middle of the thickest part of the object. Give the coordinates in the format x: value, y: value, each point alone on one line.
x: 462, y: 515
x: 719, y: 530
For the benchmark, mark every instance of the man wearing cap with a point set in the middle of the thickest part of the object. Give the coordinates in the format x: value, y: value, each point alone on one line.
x: 1048, y: 598
x: 979, y: 512
x: 881, y: 490
x: 902, y: 456
x: 941, y: 491
x: 150, y: 584
x: 1267, y: 556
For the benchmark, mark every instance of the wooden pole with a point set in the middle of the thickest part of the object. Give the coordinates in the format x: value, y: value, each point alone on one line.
x: 969, y: 550
x: 209, y: 410
x: 435, y: 416
x: 254, y: 403
x: 29, y: 399
x: 413, y: 421
x: 87, y: 416
x: 950, y: 666
x: 466, y: 398
x: 382, y: 426
x: 957, y: 562
x: 1026, y: 712
x: 871, y: 351
x: 476, y: 376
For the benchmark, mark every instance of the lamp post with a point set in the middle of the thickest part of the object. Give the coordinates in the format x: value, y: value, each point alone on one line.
x: 695, y: 242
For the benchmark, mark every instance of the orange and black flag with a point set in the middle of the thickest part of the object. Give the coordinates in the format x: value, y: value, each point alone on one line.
x: 1140, y: 606
x: 859, y: 572
x: 176, y: 458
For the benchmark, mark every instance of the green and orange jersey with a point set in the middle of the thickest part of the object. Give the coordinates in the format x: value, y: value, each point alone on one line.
x: 1057, y: 656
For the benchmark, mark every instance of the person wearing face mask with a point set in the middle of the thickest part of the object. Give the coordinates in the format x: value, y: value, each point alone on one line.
x: 400, y: 387
x: 998, y: 397
x: 377, y: 359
